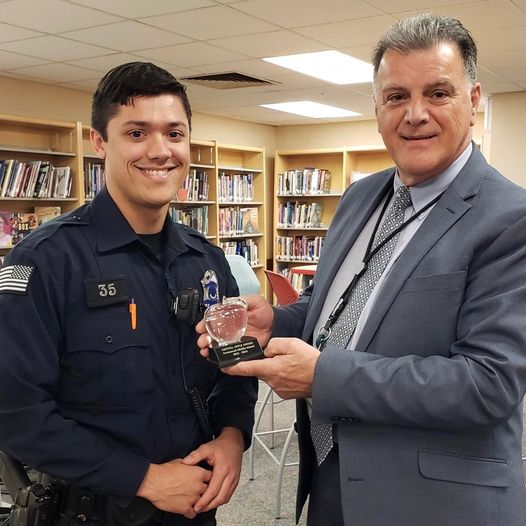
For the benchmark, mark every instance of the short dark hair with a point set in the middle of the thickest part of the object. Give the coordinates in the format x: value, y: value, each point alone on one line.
x: 425, y: 31
x: 123, y: 83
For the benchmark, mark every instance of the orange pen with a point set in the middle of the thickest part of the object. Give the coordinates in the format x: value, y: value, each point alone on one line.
x: 133, y: 314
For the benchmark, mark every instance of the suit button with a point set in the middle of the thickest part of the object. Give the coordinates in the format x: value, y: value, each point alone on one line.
x: 109, y: 339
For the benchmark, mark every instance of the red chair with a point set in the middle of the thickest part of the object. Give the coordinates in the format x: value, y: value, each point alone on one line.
x: 283, y: 290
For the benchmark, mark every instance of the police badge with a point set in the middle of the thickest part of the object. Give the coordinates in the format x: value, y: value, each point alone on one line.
x: 210, y: 288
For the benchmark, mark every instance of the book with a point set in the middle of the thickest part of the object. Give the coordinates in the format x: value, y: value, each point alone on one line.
x: 314, y: 215
x: 62, y: 182
x: 6, y: 238
x: 46, y: 213
x: 22, y: 224
x: 249, y: 220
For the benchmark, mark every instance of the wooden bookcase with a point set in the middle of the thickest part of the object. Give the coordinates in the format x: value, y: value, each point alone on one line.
x: 244, y: 168
x: 344, y: 165
x: 58, y: 142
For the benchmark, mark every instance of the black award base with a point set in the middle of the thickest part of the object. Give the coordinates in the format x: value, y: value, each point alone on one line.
x: 225, y: 355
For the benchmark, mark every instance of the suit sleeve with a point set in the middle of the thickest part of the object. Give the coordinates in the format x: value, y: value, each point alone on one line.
x: 31, y: 426
x: 477, y: 382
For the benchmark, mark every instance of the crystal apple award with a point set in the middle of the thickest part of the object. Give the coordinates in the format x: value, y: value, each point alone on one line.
x: 226, y: 322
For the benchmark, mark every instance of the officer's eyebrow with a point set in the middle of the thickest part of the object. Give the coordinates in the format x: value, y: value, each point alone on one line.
x: 146, y: 124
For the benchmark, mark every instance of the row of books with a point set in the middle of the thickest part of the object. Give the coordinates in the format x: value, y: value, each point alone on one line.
x: 306, y: 181
x: 94, y: 179
x: 299, y: 281
x: 299, y: 215
x: 302, y: 248
x: 246, y: 248
x: 14, y: 226
x: 34, y: 179
x: 195, y: 217
x: 235, y: 187
x: 236, y: 221
x: 195, y: 187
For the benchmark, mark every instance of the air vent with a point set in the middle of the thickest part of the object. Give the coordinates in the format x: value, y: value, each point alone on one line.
x: 227, y: 80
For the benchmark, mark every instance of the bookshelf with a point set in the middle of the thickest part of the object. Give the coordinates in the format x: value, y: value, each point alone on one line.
x: 195, y: 203
x: 241, y: 212
x: 29, y: 145
x: 308, y: 185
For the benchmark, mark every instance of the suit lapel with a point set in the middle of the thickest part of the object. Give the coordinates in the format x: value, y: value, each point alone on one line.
x: 449, y: 209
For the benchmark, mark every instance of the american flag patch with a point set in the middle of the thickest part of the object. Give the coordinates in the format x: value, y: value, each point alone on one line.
x: 15, y: 278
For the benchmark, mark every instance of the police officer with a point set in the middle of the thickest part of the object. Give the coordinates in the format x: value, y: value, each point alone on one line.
x: 95, y: 367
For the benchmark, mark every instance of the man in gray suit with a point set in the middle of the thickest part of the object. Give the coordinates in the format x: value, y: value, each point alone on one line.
x: 419, y: 383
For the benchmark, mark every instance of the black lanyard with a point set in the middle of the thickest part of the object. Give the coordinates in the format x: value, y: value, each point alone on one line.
x: 325, y: 330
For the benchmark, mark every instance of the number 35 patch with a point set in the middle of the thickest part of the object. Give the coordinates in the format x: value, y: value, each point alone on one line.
x: 105, y: 291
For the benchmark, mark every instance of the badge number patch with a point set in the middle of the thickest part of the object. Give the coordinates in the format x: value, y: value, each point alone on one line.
x: 105, y: 291
x: 14, y: 279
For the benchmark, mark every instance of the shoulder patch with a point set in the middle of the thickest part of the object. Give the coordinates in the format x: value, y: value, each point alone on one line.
x: 14, y: 279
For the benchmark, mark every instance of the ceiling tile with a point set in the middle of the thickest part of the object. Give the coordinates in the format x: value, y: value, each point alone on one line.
x: 349, y: 32
x: 501, y: 39
x: 9, y: 33
x: 512, y: 74
x: 422, y: 6
x: 211, y: 22
x: 485, y: 14
x: 127, y: 36
x: 57, y: 72
x: 82, y: 85
x: 141, y: 8
x: 189, y: 55
x: 493, y: 60
x: 298, y: 13
x: 52, y: 16
x: 105, y: 62
x: 14, y: 60
x: 54, y: 48
x: 270, y: 44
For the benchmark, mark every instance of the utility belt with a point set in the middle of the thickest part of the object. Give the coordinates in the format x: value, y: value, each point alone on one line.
x: 79, y: 506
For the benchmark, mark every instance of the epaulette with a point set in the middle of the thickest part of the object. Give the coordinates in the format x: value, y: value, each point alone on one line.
x: 76, y: 217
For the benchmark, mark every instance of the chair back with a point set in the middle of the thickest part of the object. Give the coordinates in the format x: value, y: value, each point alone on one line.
x: 244, y: 275
x: 283, y: 290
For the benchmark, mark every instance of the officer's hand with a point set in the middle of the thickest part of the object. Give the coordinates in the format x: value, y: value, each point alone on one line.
x: 260, y: 321
x: 288, y: 367
x: 174, y: 487
x: 225, y: 455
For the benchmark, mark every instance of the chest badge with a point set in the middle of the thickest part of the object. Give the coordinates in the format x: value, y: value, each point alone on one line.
x: 210, y: 288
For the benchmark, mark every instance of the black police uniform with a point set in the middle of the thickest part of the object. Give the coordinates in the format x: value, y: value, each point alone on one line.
x: 84, y: 396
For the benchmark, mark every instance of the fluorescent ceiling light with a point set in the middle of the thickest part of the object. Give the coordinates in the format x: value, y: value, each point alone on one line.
x: 308, y: 108
x: 331, y: 66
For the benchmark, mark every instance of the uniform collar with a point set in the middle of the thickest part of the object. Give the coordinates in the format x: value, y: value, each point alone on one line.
x: 114, y: 231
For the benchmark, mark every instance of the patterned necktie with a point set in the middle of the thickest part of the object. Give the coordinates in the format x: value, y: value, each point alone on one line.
x: 345, y: 325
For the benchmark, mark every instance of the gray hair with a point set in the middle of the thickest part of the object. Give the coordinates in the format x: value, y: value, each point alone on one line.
x: 426, y: 31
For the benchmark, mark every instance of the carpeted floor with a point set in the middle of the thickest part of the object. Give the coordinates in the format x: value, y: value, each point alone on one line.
x: 254, y: 502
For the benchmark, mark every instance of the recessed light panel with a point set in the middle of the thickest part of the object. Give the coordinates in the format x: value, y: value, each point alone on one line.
x: 331, y: 66
x: 315, y: 110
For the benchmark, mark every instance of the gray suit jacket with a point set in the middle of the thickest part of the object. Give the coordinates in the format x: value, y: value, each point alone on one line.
x: 428, y: 409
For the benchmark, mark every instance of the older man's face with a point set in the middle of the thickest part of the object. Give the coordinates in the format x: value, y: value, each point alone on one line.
x: 425, y: 108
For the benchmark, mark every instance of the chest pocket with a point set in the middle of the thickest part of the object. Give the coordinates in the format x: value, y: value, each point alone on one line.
x: 106, y: 364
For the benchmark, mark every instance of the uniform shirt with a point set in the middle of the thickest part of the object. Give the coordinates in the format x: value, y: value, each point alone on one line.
x: 84, y: 396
